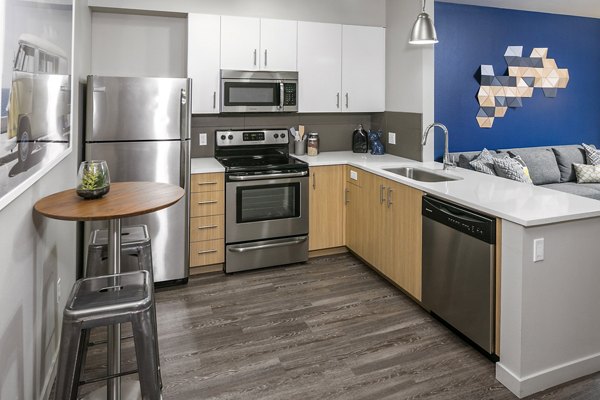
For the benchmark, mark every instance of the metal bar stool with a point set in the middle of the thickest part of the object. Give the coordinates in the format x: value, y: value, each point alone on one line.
x: 102, y: 301
x: 136, y: 251
x: 136, y: 255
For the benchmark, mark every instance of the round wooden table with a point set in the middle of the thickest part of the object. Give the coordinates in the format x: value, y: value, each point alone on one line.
x: 125, y: 199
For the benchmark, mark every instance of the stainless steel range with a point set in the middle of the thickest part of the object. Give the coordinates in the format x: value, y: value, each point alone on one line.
x: 266, y: 199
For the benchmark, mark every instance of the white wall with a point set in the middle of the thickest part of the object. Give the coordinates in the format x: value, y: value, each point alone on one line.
x: 36, y: 252
x: 355, y: 12
x: 139, y: 45
x: 550, y: 325
x: 409, y: 71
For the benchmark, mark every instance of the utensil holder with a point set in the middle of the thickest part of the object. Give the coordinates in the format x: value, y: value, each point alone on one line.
x: 300, y: 147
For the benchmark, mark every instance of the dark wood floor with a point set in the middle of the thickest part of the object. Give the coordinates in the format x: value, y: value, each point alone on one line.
x: 327, y: 329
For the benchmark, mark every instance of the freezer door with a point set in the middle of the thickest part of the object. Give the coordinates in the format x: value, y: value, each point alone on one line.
x: 168, y: 228
x: 123, y: 109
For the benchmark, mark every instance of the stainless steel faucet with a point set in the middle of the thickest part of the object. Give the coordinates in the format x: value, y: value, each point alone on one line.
x: 446, y: 159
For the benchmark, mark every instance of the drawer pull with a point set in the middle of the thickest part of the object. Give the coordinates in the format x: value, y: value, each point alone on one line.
x: 208, y: 227
x: 207, y: 251
x: 207, y: 183
x: 208, y: 202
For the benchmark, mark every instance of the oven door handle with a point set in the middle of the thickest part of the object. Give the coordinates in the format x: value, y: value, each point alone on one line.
x: 243, y: 249
x: 268, y: 176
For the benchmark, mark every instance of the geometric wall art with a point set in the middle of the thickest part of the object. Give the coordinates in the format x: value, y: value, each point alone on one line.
x: 498, y: 93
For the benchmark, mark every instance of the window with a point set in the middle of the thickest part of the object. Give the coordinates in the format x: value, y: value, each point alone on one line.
x: 47, y: 63
x: 25, y: 60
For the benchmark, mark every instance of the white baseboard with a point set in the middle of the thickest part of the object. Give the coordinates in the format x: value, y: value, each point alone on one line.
x: 548, y: 378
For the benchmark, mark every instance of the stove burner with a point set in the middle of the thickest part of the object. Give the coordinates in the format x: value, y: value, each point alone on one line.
x: 249, y: 156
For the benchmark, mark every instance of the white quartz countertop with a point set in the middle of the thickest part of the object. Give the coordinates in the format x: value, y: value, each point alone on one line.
x: 523, y: 204
x: 205, y: 165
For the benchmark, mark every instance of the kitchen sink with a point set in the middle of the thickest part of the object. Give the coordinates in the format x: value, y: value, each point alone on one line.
x: 422, y: 175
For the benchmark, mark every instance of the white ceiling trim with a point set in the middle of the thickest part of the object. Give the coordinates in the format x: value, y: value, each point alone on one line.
x: 581, y: 8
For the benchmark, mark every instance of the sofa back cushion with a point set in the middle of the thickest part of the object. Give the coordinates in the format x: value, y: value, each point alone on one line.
x: 566, y: 156
x: 541, y: 162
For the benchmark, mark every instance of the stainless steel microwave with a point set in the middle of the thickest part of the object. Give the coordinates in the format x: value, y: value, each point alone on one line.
x: 259, y: 91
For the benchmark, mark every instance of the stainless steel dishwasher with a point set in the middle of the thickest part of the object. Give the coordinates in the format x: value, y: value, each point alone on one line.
x: 459, y: 269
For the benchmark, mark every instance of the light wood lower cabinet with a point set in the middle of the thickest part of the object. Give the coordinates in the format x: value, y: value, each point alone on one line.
x: 383, y: 226
x: 326, y: 204
x: 207, y: 220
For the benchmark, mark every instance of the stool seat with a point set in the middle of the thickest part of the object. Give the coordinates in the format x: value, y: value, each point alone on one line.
x: 136, y: 251
x: 104, y: 301
x: 114, y: 294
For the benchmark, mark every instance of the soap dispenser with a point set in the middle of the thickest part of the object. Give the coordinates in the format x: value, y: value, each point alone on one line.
x: 360, y: 142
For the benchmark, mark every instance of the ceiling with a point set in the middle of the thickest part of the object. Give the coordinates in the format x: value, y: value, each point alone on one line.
x: 583, y: 8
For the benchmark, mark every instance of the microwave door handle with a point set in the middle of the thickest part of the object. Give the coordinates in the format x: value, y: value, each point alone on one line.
x: 281, y: 94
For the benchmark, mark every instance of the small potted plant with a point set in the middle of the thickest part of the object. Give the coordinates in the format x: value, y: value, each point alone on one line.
x: 93, y: 179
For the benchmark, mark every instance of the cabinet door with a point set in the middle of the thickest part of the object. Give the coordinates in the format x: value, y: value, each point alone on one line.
x: 204, y: 52
x: 363, y: 68
x: 402, y: 244
x: 319, y: 67
x: 240, y: 38
x: 326, y: 202
x: 278, y: 45
x: 374, y: 208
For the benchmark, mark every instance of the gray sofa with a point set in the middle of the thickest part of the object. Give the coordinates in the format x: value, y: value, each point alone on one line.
x: 550, y: 167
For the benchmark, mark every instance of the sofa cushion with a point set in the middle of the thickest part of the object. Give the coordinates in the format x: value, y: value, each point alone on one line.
x: 592, y: 155
x: 566, y: 156
x: 511, y: 168
x: 463, y: 159
x: 590, y: 190
x: 541, y: 162
x: 587, y: 173
x: 484, y: 162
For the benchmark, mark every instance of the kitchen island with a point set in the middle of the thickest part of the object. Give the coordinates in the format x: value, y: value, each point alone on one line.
x: 549, y: 324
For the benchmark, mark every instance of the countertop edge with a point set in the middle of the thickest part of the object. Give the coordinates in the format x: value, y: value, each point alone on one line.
x: 376, y: 167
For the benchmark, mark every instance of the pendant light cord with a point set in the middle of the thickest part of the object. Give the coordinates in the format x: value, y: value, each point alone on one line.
x: 424, y: 2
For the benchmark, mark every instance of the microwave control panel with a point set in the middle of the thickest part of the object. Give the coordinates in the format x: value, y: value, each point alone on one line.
x: 289, y: 94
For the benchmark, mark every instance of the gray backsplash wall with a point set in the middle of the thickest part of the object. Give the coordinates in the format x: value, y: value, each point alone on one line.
x: 335, y: 130
x: 407, y: 127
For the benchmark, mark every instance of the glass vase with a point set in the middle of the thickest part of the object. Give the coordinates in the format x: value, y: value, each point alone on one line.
x: 93, y: 179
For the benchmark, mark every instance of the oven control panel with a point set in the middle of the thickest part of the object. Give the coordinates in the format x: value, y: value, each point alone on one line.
x: 251, y: 137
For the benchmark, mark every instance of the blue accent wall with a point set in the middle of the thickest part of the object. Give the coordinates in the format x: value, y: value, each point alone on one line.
x: 470, y: 36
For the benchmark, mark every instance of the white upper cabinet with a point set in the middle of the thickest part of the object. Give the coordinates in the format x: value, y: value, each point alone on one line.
x: 319, y: 67
x: 363, y: 68
x: 278, y: 39
x: 252, y: 44
x: 203, y: 62
x: 341, y: 68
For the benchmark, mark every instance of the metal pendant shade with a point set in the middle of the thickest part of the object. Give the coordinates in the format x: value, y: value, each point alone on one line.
x: 423, y: 31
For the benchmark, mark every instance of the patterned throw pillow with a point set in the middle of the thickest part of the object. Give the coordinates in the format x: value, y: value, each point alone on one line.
x: 484, y: 163
x: 587, y: 173
x: 512, y: 168
x: 592, y: 155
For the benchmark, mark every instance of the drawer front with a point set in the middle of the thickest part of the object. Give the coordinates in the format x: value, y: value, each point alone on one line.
x: 207, y: 228
x: 207, y: 203
x: 207, y: 252
x: 207, y: 182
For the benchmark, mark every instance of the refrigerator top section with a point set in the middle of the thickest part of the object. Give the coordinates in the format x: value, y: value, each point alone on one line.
x: 137, y: 109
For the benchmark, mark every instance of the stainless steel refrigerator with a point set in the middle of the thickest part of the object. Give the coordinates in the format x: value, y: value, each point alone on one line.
x: 141, y: 127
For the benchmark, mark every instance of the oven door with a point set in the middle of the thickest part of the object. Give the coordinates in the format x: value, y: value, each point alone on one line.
x: 266, y: 208
x: 252, y: 95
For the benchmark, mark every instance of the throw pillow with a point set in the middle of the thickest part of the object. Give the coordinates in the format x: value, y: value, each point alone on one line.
x: 484, y: 162
x: 512, y: 168
x: 587, y: 173
x: 592, y: 155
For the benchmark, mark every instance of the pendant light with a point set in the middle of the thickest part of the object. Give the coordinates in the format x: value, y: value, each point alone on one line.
x: 423, y: 31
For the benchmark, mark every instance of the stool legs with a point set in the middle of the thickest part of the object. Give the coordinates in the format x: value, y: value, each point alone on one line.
x: 73, y: 343
x: 145, y: 348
